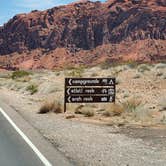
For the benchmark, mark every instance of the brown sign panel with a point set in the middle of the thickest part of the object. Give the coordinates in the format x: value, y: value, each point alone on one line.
x: 89, y: 90
x: 89, y: 99
x: 89, y: 81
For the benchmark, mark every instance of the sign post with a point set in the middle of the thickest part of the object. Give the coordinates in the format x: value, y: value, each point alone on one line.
x: 89, y: 90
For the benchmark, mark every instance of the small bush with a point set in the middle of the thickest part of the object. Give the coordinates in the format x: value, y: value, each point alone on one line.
x: 141, y: 113
x: 108, y: 64
x: 25, y: 79
x: 158, y: 74
x: 78, y: 109
x: 84, y: 110
x: 114, y: 110
x: 164, y: 76
x: 126, y: 95
x: 131, y: 64
x: 131, y: 105
x: 32, y: 89
x: 70, y: 116
x: 88, y: 113
x: 163, y: 120
x: 162, y: 103
x: 136, y: 76
x: 76, y: 72
x: 19, y: 74
x: 50, y: 107
x: 142, y: 68
x: 5, y: 75
x: 160, y: 66
x: 118, y: 81
x: 94, y: 74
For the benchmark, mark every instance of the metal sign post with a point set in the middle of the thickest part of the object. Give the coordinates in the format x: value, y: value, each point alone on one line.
x: 89, y: 90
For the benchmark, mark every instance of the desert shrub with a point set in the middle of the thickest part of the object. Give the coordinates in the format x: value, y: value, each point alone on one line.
x: 94, y: 74
x: 108, y: 63
x: 131, y: 64
x: 164, y: 76
x: 158, y: 74
x: 131, y: 105
x: 76, y: 72
x: 118, y: 81
x: 32, y: 89
x: 136, y: 76
x: 78, y: 109
x: 50, y: 107
x: 26, y: 79
x: 114, y: 110
x: 162, y: 103
x: 160, y: 66
x: 141, y: 113
x: 19, y: 74
x: 5, y: 75
x: 70, y: 116
x: 163, y: 119
x: 142, y: 68
x: 88, y: 113
x: 125, y: 95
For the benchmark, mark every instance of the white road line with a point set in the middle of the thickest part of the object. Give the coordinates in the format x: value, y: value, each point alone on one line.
x: 27, y: 140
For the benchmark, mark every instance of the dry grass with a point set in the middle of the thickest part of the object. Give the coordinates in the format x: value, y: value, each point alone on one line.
x: 50, y: 107
x: 162, y: 103
x: 70, y: 116
x: 136, y: 76
x: 32, y: 89
x: 78, y: 109
x: 114, y: 110
x: 76, y: 72
x: 143, y: 67
x: 86, y: 111
x: 131, y: 104
x: 19, y: 74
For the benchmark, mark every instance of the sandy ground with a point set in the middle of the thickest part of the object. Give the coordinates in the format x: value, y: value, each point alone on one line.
x: 91, y: 144
x: 98, y: 140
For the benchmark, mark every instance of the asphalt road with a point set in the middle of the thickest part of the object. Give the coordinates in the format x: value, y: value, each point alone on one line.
x: 14, y: 151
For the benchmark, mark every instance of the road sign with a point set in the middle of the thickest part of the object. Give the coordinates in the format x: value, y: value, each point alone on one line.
x: 90, y: 81
x: 89, y: 90
x: 89, y: 99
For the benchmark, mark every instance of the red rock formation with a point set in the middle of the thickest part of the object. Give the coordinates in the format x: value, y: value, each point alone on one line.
x: 84, y: 27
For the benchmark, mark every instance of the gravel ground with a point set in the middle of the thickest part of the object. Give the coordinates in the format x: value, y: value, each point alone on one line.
x: 89, y: 144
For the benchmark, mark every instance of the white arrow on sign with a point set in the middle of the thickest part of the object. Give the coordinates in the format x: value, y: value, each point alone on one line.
x: 70, y: 81
x: 69, y: 99
x: 68, y: 91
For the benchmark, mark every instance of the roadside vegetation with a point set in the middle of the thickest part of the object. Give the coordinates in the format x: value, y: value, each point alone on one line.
x: 146, y: 81
x: 50, y: 106
x: 75, y: 72
x: 131, y: 105
x: 19, y: 74
x: 32, y: 89
x: 114, y: 110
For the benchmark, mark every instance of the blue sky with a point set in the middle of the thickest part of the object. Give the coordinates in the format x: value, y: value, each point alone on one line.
x: 9, y: 8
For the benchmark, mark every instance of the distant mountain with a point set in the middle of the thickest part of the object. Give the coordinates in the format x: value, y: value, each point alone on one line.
x: 86, y: 33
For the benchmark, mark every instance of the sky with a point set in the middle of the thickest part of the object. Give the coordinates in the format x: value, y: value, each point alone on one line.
x: 10, y: 8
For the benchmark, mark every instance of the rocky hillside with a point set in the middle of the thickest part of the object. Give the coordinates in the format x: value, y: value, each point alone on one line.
x: 86, y: 33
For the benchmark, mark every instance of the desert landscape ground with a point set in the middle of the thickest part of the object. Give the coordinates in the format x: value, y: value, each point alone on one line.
x: 122, y: 39
x: 96, y: 134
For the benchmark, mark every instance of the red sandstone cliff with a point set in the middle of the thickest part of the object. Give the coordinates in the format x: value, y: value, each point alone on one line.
x: 86, y: 33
